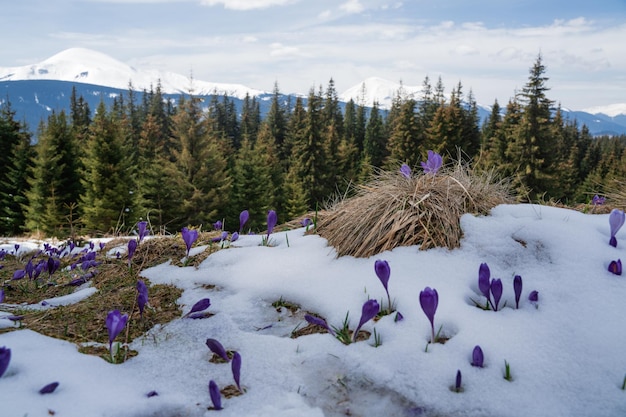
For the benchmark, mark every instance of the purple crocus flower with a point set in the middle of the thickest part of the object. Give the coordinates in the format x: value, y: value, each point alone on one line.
x: 383, y: 271
x: 53, y: 265
x: 433, y: 163
x: 199, y: 306
x: 234, y: 237
x: 399, y: 317
x: 272, y: 219
x: 5, y: 358
x: 496, y: 291
x: 616, y: 221
x: 218, y: 225
x: 216, y: 396
x: 1, y: 295
x: 597, y: 200
x: 189, y: 236
x: 457, y: 383
x: 49, y: 389
x: 142, y: 296
x: 223, y: 236
x: 405, y: 170
x: 142, y: 228
x: 429, y: 299
x: 19, y: 274
x: 102, y: 245
x: 17, y: 247
x: 243, y: 219
x: 477, y: 357
x: 319, y: 322
x: 517, y: 289
x: 369, y: 311
x: 115, y: 323
x: 615, y: 267
x: 132, y: 246
x: 484, y: 278
x: 152, y: 394
x: 29, y: 268
x: 236, y: 368
x: 217, y: 348
x: 306, y: 222
x: 533, y: 297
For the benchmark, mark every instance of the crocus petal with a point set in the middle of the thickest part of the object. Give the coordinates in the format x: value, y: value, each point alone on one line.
x: 243, y: 219
x: 1, y: 296
x: 405, y: 170
x: 217, y: 348
x: 457, y: 384
x: 496, y: 291
x: 383, y: 271
x: 49, y: 389
x: 398, y: 317
x: 152, y: 394
x: 533, y: 296
x: 433, y: 163
x: 236, y: 368
x: 217, y: 225
x: 216, y: 396
x: 369, y: 311
x: 616, y: 221
x: 484, y: 279
x: 477, y: 357
x: 5, y: 358
x: 319, y: 322
x: 517, y: 289
x: 272, y: 219
x: 429, y: 299
x: 234, y: 237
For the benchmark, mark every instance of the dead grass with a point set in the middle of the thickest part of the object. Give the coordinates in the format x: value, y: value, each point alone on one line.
x: 391, y: 210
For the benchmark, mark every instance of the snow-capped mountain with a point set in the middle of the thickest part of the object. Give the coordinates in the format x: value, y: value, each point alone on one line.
x: 36, y: 90
x: 378, y: 90
x: 86, y: 66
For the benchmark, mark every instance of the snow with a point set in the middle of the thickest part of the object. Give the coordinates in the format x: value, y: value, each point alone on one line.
x: 92, y: 67
x: 611, y: 110
x: 566, y: 352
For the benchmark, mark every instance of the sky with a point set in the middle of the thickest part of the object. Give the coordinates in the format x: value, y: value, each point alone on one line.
x: 487, y: 45
x: 565, y: 351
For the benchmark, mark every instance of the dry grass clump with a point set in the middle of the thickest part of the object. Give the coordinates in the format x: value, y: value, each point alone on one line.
x: 392, y: 210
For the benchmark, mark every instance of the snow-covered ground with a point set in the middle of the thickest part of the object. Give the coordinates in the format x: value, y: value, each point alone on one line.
x: 567, y: 352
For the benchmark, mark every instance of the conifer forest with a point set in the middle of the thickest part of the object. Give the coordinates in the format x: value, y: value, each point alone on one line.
x: 100, y: 171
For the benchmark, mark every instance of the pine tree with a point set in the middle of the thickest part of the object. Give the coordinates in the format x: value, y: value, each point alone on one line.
x: 405, y: 138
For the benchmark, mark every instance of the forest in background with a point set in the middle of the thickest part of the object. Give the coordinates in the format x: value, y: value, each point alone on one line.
x: 193, y: 163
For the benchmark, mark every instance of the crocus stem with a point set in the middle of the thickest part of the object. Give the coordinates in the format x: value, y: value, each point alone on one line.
x: 433, y: 334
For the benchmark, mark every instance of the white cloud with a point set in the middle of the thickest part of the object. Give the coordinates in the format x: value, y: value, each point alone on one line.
x: 277, y: 49
x: 247, y: 4
x: 352, y: 6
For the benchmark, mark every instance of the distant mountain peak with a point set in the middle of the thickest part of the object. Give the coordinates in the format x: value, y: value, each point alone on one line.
x: 87, y: 66
x: 375, y: 89
x: 611, y: 110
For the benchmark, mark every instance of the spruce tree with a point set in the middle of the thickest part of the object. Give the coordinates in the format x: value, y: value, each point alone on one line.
x: 107, y: 202
x: 54, y: 184
x: 198, y: 169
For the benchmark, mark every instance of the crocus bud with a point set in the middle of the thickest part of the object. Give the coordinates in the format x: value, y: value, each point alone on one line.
x: 496, y: 291
x: 369, y: 311
x: 405, y: 170
x: 236, y: 368
x: 477, y: 357
x: 243, y: 219
x: 5, y: 358
x: 49, y: 389
x: 517, y: 289
x: 216, y: 397
x: 217, y: 348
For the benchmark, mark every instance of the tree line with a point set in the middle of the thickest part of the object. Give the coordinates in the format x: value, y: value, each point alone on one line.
x: 194, y: 162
